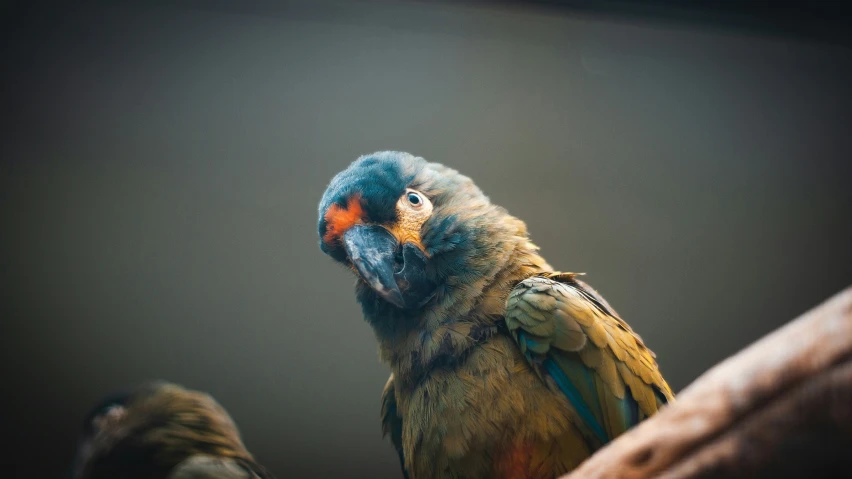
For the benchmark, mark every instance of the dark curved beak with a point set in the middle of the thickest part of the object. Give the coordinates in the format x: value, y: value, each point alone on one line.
x: 372, y: 250
x: 397, y: 273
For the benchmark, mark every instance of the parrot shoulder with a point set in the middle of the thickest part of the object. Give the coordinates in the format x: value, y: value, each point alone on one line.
x: 581, y: 347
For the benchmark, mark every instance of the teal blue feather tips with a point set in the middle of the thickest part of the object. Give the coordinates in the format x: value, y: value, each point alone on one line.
x: 576, y: 400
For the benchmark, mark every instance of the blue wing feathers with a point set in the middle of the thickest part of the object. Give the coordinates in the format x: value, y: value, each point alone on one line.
x: 575, y: 399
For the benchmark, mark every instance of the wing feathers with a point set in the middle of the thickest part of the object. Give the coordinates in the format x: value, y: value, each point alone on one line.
x: 567, y: 333
x: 570, y: 335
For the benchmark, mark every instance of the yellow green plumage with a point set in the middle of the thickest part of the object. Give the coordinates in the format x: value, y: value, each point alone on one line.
x: 501, y: 366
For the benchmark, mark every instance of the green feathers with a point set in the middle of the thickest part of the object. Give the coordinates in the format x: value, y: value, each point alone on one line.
x: 588, y: 353
x: 509, y: 369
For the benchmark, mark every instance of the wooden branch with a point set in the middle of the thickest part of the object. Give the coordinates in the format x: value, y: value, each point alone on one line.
x: 781, y: 407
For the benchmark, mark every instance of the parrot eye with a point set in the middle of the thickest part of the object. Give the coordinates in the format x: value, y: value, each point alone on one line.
x: 414, y: 204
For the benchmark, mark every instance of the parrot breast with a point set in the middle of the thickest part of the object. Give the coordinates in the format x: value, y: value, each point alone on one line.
x: 489, y: 417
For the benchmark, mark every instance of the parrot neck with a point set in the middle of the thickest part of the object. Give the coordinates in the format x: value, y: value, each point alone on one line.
x: 467, y: 312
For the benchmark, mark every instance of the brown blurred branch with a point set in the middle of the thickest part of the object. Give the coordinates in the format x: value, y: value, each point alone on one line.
x: 781, y: 407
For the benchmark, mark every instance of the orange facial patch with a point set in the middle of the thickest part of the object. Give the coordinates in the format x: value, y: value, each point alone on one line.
x: 405, y: 235
x: 338, y: 219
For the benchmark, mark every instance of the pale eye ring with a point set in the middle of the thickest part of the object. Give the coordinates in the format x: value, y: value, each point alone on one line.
x: 414, y: 199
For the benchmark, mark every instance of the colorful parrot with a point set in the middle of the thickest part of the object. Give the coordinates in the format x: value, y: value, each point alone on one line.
x: 501, y: 367
x: 161, y: 430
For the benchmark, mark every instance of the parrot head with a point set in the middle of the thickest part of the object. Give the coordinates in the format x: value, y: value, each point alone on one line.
x: 413, y: 231
x: 146, y: 430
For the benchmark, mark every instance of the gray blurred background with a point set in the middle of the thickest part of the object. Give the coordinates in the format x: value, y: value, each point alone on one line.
x: 162, y: 165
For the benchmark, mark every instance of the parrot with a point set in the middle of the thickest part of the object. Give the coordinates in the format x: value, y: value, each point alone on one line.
x: 162, y: 430
x: 501, y: 366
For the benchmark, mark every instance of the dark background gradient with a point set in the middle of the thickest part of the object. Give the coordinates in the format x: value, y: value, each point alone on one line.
x: 162, y: 165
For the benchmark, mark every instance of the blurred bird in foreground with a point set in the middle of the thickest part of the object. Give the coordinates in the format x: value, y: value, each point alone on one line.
x: 162, y: 430
x: 501, y: 366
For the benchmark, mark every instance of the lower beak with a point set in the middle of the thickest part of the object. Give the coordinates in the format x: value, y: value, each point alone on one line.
x: 399, y: 279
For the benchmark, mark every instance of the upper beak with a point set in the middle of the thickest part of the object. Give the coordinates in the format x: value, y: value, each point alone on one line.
x: 372, y: 250
x: 400, y: 279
